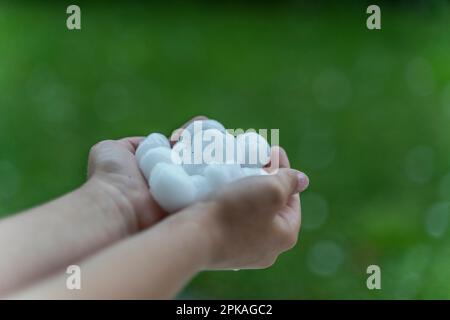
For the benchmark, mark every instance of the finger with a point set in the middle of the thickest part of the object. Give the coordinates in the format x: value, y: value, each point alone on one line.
x: 278, y: 159
x: 283, y: 157
x: 96, y: 151
x: 291, y: 181
x: 131, y: 143
x: 268, y: 193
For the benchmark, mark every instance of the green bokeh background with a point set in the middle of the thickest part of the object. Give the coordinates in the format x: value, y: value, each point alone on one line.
x: 364, y: 113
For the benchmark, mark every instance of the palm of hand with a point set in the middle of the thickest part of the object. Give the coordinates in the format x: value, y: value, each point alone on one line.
x: 114, y: 163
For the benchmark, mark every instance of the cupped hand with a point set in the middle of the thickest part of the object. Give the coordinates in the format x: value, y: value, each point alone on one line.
x: 253, y: 220
x: 112, y: 166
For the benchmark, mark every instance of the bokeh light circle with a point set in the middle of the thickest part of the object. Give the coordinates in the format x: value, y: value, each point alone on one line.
x: 325, y: 257
x: 437, y: 218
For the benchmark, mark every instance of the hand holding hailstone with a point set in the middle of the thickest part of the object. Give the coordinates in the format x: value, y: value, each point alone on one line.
x: 205, y: 158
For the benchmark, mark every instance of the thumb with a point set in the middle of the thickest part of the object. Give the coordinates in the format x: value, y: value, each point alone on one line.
x: 291, y: 181
x: 266, y: 193
x: 275, y: 190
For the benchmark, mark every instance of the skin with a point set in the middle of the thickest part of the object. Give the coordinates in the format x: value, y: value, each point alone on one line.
x: 235, y: 228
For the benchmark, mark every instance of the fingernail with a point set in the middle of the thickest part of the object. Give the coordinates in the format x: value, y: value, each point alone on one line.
x: 303, y: 181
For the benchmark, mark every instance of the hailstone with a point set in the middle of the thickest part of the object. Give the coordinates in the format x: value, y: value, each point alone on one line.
x: 202, y: 186
x: 152, y: 141
x: 154, y: 156
x: 172, y: 187
x: 218, y: 175
x: 203, y: 125
x: 253, y: 150
x: 209, y: 146
x: 206, y: 158
x: 248, y: 172
x: 185, y: 155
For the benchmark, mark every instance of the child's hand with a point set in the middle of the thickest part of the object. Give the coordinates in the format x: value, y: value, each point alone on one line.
x: 247, y: 224
x: 252, y: 221
x: 113, y: 168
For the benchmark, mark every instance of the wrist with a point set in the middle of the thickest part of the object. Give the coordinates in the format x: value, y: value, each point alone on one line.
x: 203, y: 216
x: 194, y: 226
x: 111, y: 201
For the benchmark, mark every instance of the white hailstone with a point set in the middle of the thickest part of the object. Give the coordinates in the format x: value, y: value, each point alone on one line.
x: 229, y: 148
x: 203, y: 125
x: 253, y: 150
x: 209, y: 146
x: 194, y: 169
x: 214, y: 146
x: 199, y: 126
x: 154, y: 156
x: 153, y: 140
x: 235, y: 171
x: 185, y: 154
x: 193, y: 163
x: 181, y: 151
x: 249, y: 172
x: 202, y: 186
x: 199, y: 163
x: 172, y: 187
x: 218, y: 175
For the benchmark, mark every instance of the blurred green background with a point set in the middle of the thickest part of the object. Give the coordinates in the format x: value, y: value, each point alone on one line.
x: 364, y: 113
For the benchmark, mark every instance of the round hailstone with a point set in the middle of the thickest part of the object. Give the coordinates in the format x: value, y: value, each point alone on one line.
x: 172, y: 187
x: 214, y: 146
x: 153, y: 140
x: 209, y: 146
x: 253, y: 150
x: 154, y: 156
x: 222, y: 151
x: 202, y: 186
x: 199, y: 126
x: 185, y: 155
x: 249, y: 172
x: 218, y: 175
x: 181, y: 152
x: 194, y: 169
x: 202, y: 125
x: 193, y: 164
